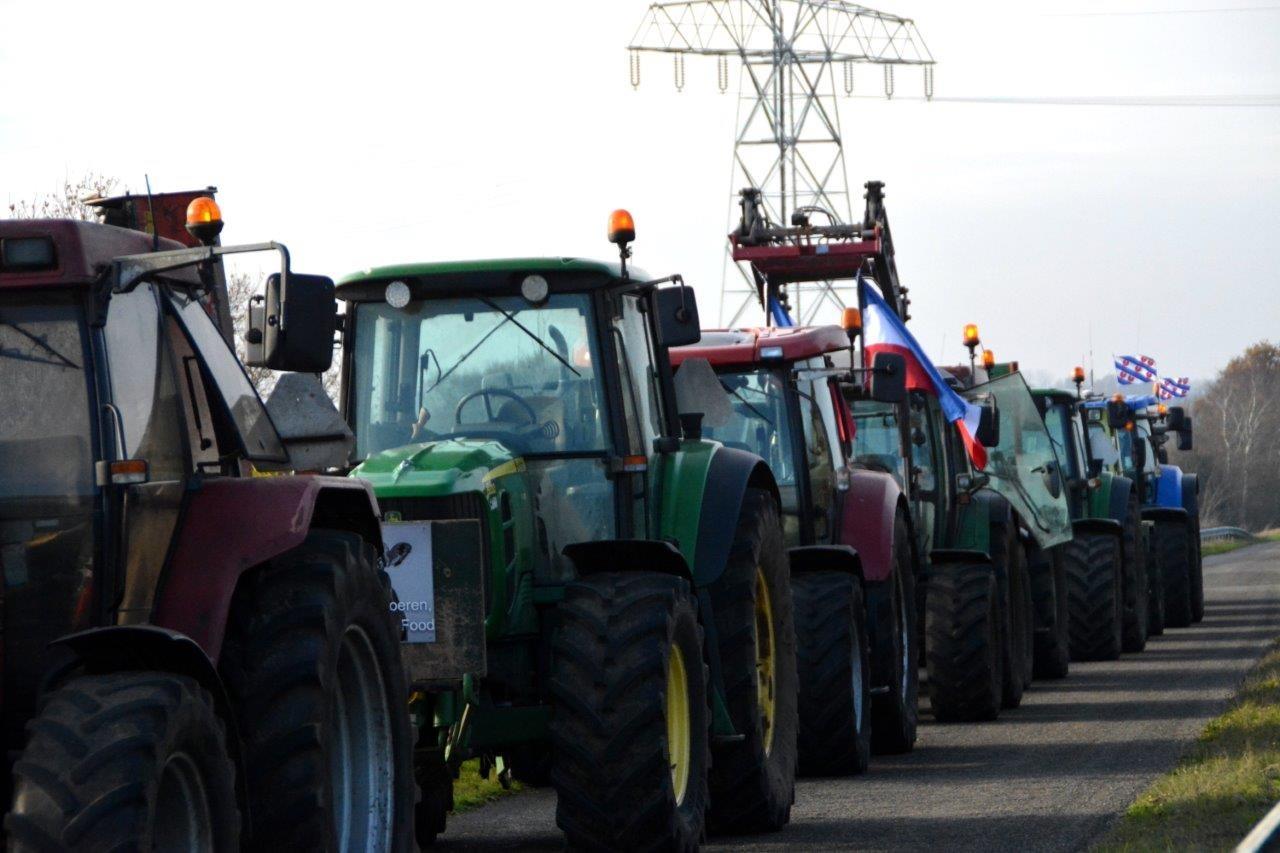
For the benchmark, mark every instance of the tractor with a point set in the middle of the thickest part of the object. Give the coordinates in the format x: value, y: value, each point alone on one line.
x: 194, y: 657
x: 621, y: 628
x: 1105, y: 561
x: 855, y: 612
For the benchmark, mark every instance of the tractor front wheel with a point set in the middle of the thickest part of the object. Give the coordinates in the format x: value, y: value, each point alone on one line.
x: 753, y: 779
x: 1094, y: 569
x: 1173, y: 550
x: 1136, y: 609
x: 126, y: 761
x: 312, y: 663
x: 964, y: 642
x: 631, y: 719
x: 1009, y: 558
x: 834, y: 672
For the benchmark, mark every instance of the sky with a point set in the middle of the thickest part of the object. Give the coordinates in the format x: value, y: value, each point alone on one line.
x: 372, y: 133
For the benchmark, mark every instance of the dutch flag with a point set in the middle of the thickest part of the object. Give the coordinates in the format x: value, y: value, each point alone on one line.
x: 884, y: 332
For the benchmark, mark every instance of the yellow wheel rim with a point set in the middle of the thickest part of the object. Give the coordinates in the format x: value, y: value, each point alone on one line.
x: 678, y: 723
x: 766, y: 657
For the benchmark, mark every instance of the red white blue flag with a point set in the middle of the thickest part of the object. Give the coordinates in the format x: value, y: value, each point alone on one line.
x: 1131, y: 369
x: 883, y: 332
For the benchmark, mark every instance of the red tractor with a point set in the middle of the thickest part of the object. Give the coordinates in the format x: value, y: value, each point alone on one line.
x: 777, y: 393
x: 194, y: 657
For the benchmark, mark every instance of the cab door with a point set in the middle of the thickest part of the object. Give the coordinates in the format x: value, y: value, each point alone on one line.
x: 928, y: 469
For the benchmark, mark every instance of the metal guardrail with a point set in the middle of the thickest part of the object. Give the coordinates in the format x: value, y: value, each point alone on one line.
x: 1223, y: 534
x: 1264, y: 836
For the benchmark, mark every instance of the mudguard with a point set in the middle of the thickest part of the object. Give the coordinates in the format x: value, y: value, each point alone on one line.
x: 825, y: 558
x: 150, y: 647
x: 1121, y: 489
x: 1169, y: 486
x: 1164, y: 513
x: 628, y: 555
x: 729, y: 475
x: 1088, y: 526
x: 268, y: 516
x: 1191, y: 495
x: 867, y: 519
x: 959, y: 555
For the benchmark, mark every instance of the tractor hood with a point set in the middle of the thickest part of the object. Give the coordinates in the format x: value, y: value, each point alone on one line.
x: 437, y: 468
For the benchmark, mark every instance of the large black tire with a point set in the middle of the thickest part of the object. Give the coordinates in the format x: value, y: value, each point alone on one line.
x: 435, y: 782
x: 1136, y: 606
x: 127, y: 761
x: 1018, y: 648
x: 834, y: 670
x: 1196, y: 558
x: 312, y: 662
x: 753, y: 779
x: 1052, y: 657
x: 895, y: 663
x: 963, y: 642
x: 1174, y: 553
x: 1155, y: 587
x: 1093, y: 563
x: 622, y: 637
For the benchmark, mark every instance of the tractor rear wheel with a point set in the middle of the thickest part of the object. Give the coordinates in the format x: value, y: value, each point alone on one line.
x: 896, y: 658
x: 1155, y: 586
x: 1136, y: 609
x: 753, y: 780
x: 963, y: 645
x: 126, y: 761
x: 312, y: 663
x: 1173, y: 550
x: 1094, y: 591
x: 631, y: 719
x: 834, y: 670
x: 1009, y: 558
x: 1197, y: 561
x: 1053, y: 635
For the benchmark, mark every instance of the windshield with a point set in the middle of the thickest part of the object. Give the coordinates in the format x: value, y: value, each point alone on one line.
x: 759, y: 423
x: 44, y: 402
x: 491, y: 368
x: 1056, y: 420
x: 877, y: 439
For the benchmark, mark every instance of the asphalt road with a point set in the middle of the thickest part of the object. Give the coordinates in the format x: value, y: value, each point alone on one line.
x: 1050, y: 775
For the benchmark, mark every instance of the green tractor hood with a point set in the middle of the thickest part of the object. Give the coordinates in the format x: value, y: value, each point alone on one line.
x: 436, y: 468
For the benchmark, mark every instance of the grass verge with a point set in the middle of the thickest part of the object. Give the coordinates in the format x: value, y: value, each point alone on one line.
x: 1229, y: 780
x: 471, y: 790
x: 1236, y: 544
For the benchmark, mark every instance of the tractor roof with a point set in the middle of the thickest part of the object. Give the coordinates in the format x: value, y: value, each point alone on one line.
x: 741, y: 347
x: 459, y: 277
x: 80, y: 250
x: 1056, y: 395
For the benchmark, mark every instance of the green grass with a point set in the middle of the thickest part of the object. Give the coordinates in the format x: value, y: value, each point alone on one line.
x: 471, y: 790
x: 1236, y: 544
x: 1228, y: 781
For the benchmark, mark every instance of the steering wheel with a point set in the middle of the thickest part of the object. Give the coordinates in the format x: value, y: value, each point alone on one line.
x: 494, y: 392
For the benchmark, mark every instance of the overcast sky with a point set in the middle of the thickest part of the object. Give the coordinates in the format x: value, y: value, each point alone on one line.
x: 367, y: 133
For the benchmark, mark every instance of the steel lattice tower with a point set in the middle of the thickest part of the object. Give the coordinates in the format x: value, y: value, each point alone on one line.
x: 794, y: 54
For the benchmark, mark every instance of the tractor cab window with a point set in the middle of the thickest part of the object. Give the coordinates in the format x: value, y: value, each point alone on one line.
x: 1057, y: 422
x: 493, y: 368
x: 877, y: 439
x: 639, y: 379
x: 815, y: 406
x: 760, y: 424
x: 1101, y: 446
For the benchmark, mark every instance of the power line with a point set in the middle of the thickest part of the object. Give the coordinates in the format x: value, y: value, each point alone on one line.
x: 1121, y: 100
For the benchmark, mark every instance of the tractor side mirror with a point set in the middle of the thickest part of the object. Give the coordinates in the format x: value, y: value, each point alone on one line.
x: 675, y: 311
x: 291, y: 327
x: 1176, y: 419
x: 1117, y: 414
x: 888, y: 378
x: 1184, y: 435
x: 1052, y: 479
x: 989, y: 425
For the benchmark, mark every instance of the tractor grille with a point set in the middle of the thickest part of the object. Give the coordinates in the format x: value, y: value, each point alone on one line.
x: 467, y: 506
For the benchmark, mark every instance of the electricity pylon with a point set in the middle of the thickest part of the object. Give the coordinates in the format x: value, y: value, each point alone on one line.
x: 788, y: 143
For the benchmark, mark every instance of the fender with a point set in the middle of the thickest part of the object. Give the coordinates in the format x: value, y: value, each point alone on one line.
x: 1087, y: 526
x: 942, y: 556
x: 703, y: 488
x: 1121, y: 489
x: 975, y: 519
x: 867, y: 520
x: 1164, y: 513
x: 148, y: 647
x: 269, y: 516
x: 628, y: 555
x: 1191, y: 495
x: 825, y: 558
x: 1169, y: 486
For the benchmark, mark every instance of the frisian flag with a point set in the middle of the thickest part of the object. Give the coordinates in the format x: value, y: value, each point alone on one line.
x: 1131, y: 369
x: 883, y: 332
x: 1174, y: 388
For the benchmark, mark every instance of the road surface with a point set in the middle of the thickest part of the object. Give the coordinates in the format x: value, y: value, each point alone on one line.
x: 1050, y: 775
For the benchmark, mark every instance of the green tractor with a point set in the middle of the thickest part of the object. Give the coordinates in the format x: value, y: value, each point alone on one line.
x: 1105, y: 562
x: 594, y: 597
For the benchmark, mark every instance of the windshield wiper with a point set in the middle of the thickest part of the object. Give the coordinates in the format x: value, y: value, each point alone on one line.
x: 538, y: 340
x: 62, y: 360
x: 466, y: 355
x: 745, y: 402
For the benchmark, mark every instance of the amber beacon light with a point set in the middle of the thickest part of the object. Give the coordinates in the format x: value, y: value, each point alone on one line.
x: 204, y: 219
